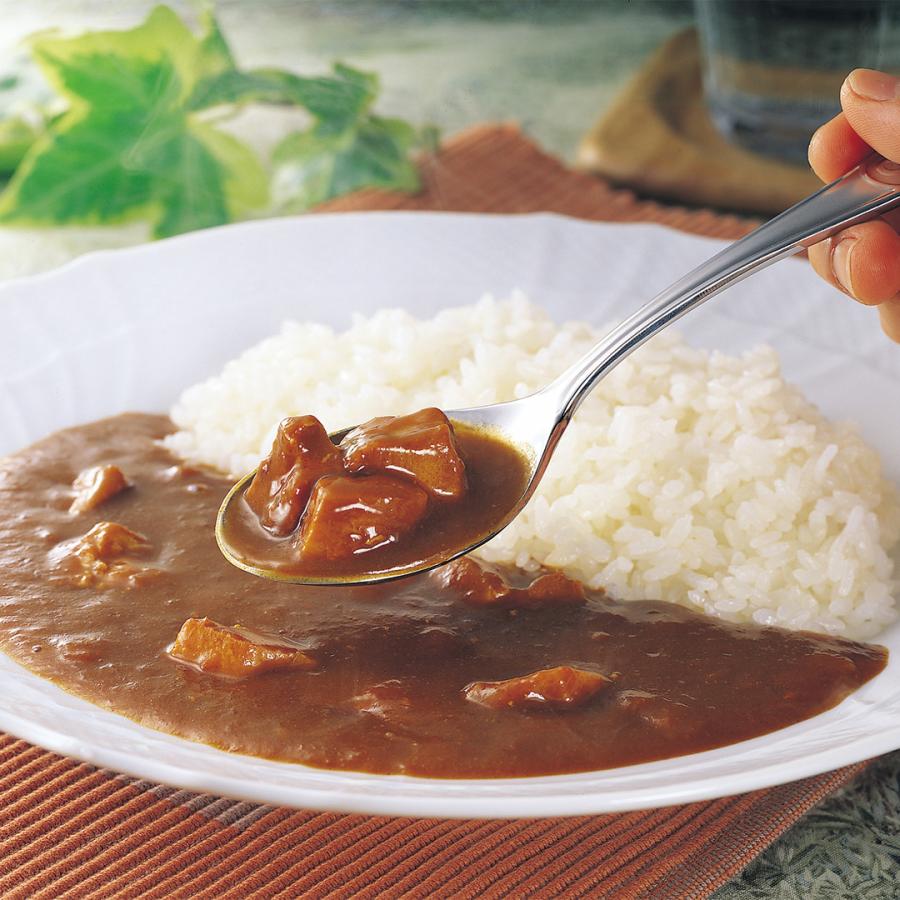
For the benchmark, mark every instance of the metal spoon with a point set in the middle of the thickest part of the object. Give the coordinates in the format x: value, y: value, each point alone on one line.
x: 535, y: 423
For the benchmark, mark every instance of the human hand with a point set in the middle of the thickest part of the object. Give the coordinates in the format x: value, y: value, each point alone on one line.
x: 863, y: 260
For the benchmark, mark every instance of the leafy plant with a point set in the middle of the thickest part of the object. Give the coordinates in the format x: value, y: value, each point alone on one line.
x: 138, y: 138
x: 346, y: 148
x: 340, y: 154
x: 16, y: 137
x: 23, y: 116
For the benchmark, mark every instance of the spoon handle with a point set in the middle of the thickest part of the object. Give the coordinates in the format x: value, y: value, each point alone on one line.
x: 867, y: 191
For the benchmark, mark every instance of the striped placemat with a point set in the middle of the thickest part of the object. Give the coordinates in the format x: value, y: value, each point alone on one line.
x: 70, y: 830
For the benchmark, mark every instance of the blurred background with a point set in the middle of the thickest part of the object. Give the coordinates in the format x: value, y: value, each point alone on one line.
x: 703, y: 103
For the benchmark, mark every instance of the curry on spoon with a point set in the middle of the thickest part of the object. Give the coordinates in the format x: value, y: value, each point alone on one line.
x: 393, y: 496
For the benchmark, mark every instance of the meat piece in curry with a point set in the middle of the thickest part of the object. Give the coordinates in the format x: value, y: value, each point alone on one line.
x: 384, y: 699
x: 96, y: 485
x: 347, y: 516
x: 481, y: 585
x: 301, y: 454
x: 660, y: 713
x: 234, y: 652
x: 420, y: 446
x: 107, y: 555
x: 561, y: 687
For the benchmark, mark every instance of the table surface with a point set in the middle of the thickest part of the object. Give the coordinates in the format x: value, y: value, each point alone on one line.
x: 553, y: 68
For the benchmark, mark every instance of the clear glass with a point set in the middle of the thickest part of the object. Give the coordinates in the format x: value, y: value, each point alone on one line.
x: 772, y: 69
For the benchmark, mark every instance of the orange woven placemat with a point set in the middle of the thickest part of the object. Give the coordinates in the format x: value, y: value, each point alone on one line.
x: 70, y: 830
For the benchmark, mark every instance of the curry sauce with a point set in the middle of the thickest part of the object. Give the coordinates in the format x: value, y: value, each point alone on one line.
x: 462, y: 672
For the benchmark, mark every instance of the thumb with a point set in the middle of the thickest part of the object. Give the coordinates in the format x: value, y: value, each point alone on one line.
x: 871, y: 103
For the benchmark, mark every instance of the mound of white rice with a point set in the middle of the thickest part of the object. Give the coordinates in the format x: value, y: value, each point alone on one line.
x: 687, y: 475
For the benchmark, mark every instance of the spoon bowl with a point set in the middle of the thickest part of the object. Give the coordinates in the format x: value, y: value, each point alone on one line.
x: 522, y: 424
x: 534, y: 424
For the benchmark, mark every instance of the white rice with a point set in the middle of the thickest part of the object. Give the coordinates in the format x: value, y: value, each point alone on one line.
x: 690, y: 476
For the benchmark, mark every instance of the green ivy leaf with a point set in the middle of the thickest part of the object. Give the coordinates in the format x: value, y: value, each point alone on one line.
x: 16, y: 137
x: 77, y: 175
x: 335, y: 101
x: 316, y: 165
x: 215, y: 55
x: 205, y: 171
x: 347, y: 148
x: 128, y: 145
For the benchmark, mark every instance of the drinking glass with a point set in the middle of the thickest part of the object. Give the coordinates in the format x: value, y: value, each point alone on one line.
x: 772, y: 69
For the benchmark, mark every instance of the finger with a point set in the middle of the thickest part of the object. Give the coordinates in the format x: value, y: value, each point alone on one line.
x: 871, y: 103
x: 836, y: 148
x: 889, y: 313
x: 820, y: 259
x: 862, y: 261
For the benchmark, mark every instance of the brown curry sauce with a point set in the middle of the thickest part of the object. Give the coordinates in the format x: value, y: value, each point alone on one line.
x: 387, y: 689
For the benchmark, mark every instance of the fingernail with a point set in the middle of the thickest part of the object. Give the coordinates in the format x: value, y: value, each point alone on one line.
x: 873, y: 85
x: 840, y: 263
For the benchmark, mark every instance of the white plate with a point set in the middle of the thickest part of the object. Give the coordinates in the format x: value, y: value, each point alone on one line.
x: 129, y: 329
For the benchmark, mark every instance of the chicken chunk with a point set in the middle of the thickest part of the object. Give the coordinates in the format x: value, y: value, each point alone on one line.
x: 480, y: 585
x: 96, y: 485
x: 562, y: 687
x: 105, y: 555
x: 383, y: 699
x: 554, y: 588
x: 301, y: 454
x: 108, y: 540
x: 476, y: 583
x: 420, y: 446
x: 348, y: 516
x: 663, y: 715
x: 235, y: 652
